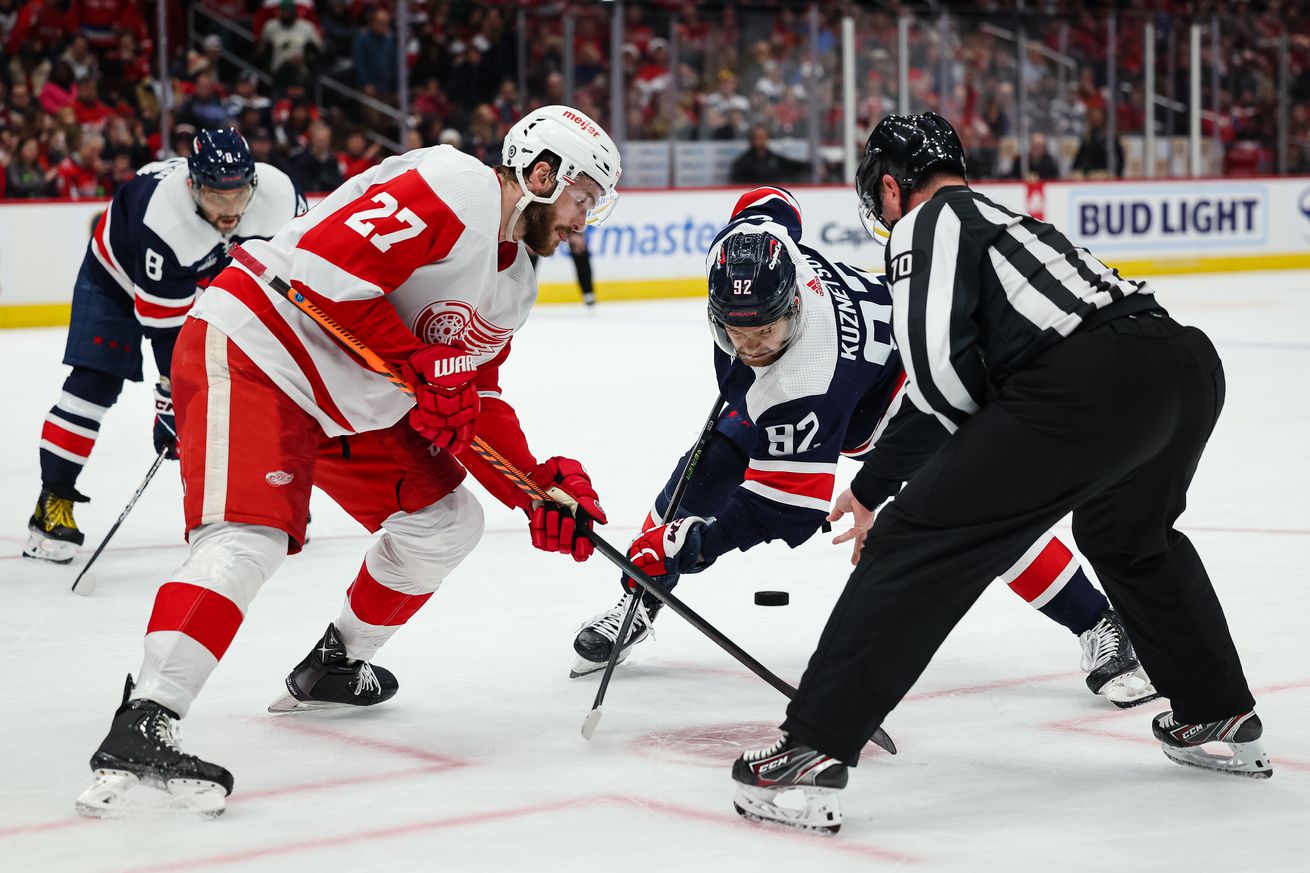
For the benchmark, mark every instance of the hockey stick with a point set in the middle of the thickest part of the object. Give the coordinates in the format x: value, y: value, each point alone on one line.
x: 593, y: 718
x: 126, y: 509
x: 521, y: 480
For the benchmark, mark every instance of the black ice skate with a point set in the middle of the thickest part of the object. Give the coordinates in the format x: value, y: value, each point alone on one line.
x: 328, y: 679
x: 1112, y: 666
x: 1184, y: 744
x: 595, y: 639
x: 54, y: 536
x: 790, y: 784
x: 139, y: 769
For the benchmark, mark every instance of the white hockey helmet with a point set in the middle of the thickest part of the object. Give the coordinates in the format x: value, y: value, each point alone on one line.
x: 582, y: 146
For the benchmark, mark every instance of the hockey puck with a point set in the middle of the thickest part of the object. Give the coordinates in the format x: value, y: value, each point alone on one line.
x: 772, y: 598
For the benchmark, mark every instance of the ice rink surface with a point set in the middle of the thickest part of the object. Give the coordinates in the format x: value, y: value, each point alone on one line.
x: 1006, y: 762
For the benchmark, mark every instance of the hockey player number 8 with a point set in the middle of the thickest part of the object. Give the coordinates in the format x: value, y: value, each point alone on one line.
x: 361, y: 222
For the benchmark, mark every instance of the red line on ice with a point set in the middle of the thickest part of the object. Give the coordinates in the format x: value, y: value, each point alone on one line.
x: 607, y: 801
x: 295, y: 726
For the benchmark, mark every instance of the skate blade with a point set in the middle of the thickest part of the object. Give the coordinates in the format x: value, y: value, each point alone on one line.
x: 42, y: 548
x: 1129, y: 690
x: 287, y: 704
x: 815, y: 810
x: 120, y: 794
x: 583, y: 667
x: 1244, y: 759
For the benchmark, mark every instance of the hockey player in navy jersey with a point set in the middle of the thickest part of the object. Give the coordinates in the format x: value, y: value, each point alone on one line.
x: 164, y: 237
x: 806, y: 364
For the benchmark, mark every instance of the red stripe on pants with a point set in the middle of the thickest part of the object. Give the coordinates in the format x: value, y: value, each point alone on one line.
x: 66, y: 439
x: 206, y: 616
x: 374, y: 603
x: 1038, y: 576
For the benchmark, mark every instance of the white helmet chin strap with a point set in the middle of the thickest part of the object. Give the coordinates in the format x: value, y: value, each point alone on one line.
x: 529, y: 197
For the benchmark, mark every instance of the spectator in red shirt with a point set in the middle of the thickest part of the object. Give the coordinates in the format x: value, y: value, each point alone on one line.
x: 41, y: 24
x: 82, y: 176
x: 100, y: 20
x: 89, y: 110
x: 126, y: 63
x: 358, y: 156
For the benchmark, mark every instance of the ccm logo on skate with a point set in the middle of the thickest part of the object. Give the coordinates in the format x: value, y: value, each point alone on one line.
x: 772, y: 765
x: 451, y: 366
x: 279, y: 478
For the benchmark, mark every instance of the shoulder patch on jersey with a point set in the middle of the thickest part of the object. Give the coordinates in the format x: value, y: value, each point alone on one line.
x: 272, y: 206
x: 903, y: 265
x: 171, y: 217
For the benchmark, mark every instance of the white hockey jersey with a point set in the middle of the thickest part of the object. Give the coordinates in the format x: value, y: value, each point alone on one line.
x: 153, y: 244
x: 403, y: 255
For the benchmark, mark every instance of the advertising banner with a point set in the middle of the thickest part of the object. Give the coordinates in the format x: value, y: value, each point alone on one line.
x: 654, y: 243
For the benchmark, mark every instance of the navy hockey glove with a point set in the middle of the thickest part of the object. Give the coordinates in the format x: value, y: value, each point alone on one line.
x: 165, y: 426
x: 667, y: 551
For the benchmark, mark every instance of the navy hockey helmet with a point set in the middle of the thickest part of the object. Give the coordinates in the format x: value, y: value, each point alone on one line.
x: 221, y: 160
x: 907, y: 148
x: 752, y: 283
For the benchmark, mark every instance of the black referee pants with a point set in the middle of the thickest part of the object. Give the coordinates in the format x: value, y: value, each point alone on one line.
x: 1109, y: 424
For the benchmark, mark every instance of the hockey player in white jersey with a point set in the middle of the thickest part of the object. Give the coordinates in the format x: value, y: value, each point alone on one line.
x: 425, y: 259
x: 805, y: 361
x: 164, y: 237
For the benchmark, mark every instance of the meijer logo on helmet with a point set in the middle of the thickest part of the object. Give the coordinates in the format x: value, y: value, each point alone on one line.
x: 583, y: 122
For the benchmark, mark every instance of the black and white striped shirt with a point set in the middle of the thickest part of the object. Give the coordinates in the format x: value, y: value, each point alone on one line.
x: 978, y: 291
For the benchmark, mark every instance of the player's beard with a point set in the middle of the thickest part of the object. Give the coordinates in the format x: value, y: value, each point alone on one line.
x: 540, y: 232
x: 226, y: 224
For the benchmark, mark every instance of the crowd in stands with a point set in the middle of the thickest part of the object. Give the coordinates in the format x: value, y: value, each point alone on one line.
x: 312, y: 84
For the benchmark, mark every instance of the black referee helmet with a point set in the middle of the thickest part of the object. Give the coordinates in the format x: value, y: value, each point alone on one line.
x: 907, y: 148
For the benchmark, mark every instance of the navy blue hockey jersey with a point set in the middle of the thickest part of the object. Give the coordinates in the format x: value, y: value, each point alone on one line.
x: 824, y: 397
x: 153, y: 244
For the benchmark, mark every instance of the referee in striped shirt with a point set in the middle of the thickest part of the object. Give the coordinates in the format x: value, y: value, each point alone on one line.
x: 1067, y: 389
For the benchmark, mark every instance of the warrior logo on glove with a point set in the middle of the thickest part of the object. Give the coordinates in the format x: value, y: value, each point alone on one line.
x: 446, y: 400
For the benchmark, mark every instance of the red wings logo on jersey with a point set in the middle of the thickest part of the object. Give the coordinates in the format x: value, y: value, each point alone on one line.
x: 449, y: 320
x: 443, y: 322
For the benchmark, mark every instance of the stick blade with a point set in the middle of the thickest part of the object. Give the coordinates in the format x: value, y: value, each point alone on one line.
x: 883, y: 741
x: 84, y: 584
x: 589, y: 723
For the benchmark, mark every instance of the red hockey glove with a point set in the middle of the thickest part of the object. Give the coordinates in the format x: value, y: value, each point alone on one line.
x: 445, y: 397
x: 668, y: 550
x: 556, y: 523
